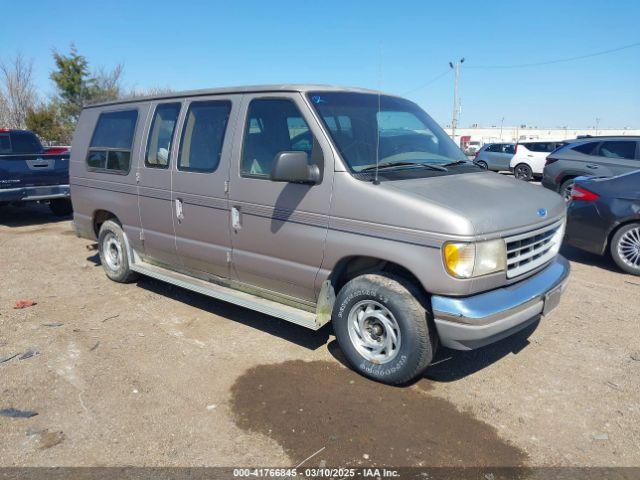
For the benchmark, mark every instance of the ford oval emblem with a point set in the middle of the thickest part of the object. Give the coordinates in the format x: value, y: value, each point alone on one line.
x: 542, y: 212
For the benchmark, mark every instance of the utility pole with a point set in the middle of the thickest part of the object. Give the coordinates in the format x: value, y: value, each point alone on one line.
x: 597, y: 125
x: 456, y: 99
x: 501, y: 124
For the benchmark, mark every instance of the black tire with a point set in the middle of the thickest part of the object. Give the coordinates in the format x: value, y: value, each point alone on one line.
x: 61, y: 207
x: 522, y: 171
x: 623, y: 243
x: 417, y: 338
x: 565, y: 189
x: 482, y: 164
x: 113, y: 253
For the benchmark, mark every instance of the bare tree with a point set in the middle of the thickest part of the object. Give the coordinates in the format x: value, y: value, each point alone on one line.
x: 107, y: 83
x: 17, y: 92
x: 145, y: 92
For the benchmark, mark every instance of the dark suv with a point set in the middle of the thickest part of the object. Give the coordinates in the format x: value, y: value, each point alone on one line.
x: 590, y: 156
x: 31, y: 173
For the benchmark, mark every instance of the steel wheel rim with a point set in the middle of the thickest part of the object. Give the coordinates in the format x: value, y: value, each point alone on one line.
x: 112, y: 251
x: 374, y: 331
x: 629, y: 247
x: 522, y: 172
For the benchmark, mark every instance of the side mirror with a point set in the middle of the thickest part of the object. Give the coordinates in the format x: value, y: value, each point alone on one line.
x: 294, y: 167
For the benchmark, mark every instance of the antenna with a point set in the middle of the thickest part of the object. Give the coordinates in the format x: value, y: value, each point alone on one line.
x: 375, y: 178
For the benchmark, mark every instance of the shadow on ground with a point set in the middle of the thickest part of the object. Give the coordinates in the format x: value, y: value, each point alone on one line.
x: 586, y: 258
x: 27, y: 215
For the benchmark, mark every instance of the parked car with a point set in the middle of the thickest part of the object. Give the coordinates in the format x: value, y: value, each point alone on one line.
x: 604, y: 216
x: 315, y: 204
x: 28, y: 173
x: 528, y: 160
x: 591, y: 156
x: 495, y: 156
x: 473, y: 147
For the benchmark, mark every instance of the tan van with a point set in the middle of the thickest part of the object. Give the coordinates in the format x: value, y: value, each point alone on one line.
x: 319, y: 204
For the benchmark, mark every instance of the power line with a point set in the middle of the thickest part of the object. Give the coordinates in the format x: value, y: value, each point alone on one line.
x: 434, y: 79
x: 560, y: 60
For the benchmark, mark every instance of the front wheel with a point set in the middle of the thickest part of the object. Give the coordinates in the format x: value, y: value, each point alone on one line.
x: 482, y: 164
x: 625, y: 248
x: 523, y: 172
x: 566, y: 189
x: 383, y: 328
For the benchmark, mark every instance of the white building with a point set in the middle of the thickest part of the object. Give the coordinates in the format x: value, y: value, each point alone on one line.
x: 515, y: 134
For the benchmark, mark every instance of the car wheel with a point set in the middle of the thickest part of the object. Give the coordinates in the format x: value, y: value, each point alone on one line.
x: 523, y: 172
x: 625, y: 248
x: 383, y: 328
x: 61, y: 207
x: 482, y: 164
x: 565, y: 189
x: 113, y: 253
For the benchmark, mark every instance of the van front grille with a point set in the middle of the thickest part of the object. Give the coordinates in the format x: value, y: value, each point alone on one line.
x: 527, y: 251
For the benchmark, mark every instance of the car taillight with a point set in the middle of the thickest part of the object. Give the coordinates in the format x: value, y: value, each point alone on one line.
x: 579, y: 193
x: 549, y: 161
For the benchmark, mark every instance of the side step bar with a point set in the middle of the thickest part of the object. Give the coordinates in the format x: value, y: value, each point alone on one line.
x: 253, y: 302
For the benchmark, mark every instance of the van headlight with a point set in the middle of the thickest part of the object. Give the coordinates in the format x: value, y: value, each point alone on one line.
x: 467, y: 260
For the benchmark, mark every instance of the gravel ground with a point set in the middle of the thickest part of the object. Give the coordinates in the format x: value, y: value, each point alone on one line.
x: 148, y: 374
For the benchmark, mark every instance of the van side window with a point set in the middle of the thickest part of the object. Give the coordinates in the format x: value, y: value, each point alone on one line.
x: 203, y: 136
x: 273, y: 126
x: 161, y: 135
x: 112, y: 140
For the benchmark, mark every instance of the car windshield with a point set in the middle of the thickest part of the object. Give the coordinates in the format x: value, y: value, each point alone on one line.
x: 395, y: 132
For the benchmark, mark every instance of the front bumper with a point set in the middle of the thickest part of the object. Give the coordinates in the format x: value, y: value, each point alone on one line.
x: 31, y: 194
x: 472, y: 322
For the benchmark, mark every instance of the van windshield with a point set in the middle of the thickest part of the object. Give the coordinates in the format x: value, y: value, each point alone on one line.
x: 396, y: 132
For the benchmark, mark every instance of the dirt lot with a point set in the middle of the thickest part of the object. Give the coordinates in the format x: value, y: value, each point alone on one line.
x: 147, y: 374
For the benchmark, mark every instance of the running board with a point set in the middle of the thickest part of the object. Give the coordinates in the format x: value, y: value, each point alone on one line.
x: 253, y: 302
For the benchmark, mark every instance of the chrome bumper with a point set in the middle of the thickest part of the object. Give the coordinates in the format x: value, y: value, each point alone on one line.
x: 31, y: 194
x: 471, y: 322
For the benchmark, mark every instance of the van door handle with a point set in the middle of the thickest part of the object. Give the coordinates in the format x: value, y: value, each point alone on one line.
x: 235, y: 218
x: 179, y: 212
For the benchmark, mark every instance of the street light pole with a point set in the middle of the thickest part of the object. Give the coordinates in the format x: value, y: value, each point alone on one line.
x: 456, y: 100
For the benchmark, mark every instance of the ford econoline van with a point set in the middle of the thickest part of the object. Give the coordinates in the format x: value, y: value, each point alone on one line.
x: 318, y: 204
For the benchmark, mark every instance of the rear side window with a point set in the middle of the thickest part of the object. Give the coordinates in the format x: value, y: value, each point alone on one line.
x: 586, y: 148
x: 5, y: 144
x: 161, y: 135
x: 203, y: 136
x: 542, y: 146
x: 112, y: 140
x: 621, y: 149
x: 25, y: 142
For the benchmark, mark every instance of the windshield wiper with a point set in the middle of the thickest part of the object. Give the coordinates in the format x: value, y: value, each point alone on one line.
x: 457, y: 162
x: 404, y: 164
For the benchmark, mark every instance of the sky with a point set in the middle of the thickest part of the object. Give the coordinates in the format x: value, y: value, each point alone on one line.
x: 396, y: 46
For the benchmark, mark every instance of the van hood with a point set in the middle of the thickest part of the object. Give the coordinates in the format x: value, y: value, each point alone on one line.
x: 491, y: 202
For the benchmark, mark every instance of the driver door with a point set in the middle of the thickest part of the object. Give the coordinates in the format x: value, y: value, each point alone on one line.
x: 278, y: 229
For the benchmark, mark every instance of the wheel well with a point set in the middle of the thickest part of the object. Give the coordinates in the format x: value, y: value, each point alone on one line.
x: 101, y: 216
x: 350, y: 267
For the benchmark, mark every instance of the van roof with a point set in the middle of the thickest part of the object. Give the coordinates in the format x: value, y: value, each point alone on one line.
x: 302, y: 88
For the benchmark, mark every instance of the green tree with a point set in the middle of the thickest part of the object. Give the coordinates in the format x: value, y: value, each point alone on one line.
x: 45, y: 120
x: 77, y: 86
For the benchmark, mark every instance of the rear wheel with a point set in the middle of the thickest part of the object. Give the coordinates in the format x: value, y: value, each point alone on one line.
x: 383, y: 328
x: 482, y: 164
x: 113, y: 253
x: 566, y: 188
x: 61, y: 207
x: 523, y: 172
x: 625, y: 248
